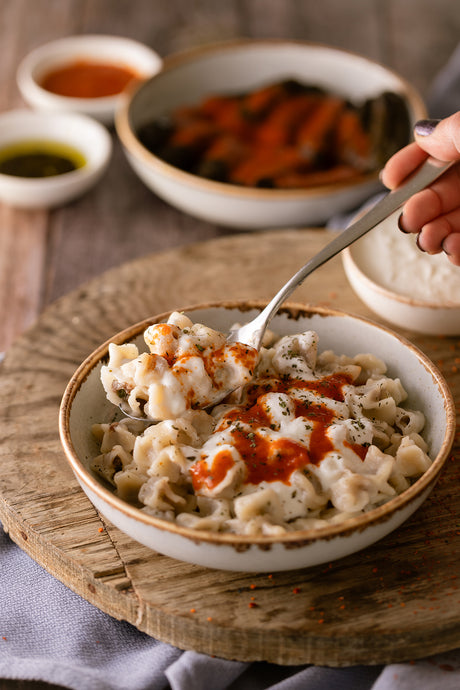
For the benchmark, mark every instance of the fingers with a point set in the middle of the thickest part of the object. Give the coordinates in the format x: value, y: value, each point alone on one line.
x: 442, y: 197
x: 451, y: 246
x: 431, y: 237
x: 440, y: 139
x: 402, y: 164
x: 440, y: 235
x: 434, y: 213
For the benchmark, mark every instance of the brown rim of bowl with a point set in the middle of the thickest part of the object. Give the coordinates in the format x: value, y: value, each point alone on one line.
x: 296, y: 538
x: 349, y: 261
x: 132, y: 144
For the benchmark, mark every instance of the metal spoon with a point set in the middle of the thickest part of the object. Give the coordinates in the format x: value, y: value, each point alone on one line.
x: 252, y: 332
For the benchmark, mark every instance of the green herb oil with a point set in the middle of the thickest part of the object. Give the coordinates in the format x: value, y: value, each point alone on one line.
x: 39, y: 159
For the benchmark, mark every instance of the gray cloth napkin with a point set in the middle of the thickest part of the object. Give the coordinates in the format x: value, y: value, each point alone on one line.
x: 48, y: 633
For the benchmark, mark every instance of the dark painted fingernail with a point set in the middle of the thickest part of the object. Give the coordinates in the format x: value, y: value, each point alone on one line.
x: 417, y: 241
x: 400, y: 225
x: 425, y: 127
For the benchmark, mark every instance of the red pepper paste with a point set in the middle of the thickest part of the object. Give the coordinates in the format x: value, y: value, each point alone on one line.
x: 86, y: 79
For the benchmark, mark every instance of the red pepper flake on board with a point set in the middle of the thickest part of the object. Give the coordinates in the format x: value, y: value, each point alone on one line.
x: 253, y: 605
x: 296, y: 590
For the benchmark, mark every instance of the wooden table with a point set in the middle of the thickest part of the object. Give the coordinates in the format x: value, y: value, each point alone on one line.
x: 44, y: 256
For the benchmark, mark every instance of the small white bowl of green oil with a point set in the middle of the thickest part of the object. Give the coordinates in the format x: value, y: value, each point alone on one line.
x: 50, y: 159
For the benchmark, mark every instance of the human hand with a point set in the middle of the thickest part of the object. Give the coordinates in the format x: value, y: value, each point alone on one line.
x: 433, y: 213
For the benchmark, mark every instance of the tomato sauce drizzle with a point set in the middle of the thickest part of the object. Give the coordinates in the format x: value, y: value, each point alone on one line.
x: 211, y: 477
x: 268, y: 460
x: 213, y: 359
x: 329, y: 386
x: 357, y: 448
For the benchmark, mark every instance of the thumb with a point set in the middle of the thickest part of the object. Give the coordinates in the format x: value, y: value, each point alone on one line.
x: 440, y: 138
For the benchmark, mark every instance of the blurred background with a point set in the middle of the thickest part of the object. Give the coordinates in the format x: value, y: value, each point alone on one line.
x: 44, y: 255
x: 414, y: 37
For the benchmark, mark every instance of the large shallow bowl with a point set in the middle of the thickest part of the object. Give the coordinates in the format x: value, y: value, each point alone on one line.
x: 84, y: 403
x: 237, y: 68
x: 408, y: 288
x: 83, y: 134
x: 115, y: 50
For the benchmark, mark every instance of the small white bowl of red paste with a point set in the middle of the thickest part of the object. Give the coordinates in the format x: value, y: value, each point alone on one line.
x: 86, y: 74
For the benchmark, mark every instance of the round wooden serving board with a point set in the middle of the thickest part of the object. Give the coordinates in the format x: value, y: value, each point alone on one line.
x: 397, y: 600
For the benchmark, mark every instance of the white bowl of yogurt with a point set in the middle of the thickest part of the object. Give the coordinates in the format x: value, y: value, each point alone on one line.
x: 408, y: 288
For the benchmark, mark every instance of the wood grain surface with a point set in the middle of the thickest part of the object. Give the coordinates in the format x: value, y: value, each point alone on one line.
x: 44, y: 256
x: 396, y: 600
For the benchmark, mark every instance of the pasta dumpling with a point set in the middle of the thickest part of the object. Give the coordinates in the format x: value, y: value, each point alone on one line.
x: 312, y: 438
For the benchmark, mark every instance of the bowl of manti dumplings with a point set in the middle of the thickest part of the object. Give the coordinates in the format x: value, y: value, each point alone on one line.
x: 334, y: 433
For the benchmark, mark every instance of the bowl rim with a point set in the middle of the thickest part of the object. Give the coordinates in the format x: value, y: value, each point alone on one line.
x: 25, y: 72
x: 92, y: 165
x: 296, y: 538
x: 176, y: 60
x: 350, y: 264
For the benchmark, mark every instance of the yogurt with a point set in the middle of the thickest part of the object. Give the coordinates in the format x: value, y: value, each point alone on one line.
x: 393, y: 260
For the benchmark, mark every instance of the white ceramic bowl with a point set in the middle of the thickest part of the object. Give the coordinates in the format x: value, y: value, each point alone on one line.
x: 115, y: 50
x: 82, y: 133
x: 239, y: 67
x: 408, y: 288
x: 84, y: 403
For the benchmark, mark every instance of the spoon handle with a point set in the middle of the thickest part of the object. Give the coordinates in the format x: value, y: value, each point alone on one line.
x: 252, y: 333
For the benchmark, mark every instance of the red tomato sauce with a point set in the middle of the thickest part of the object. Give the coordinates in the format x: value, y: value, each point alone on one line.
x: 213, y: 359
x: 329, y: 386
x: 242, y: 354
x: 202, y: 475
x: 86, y: 79
x: 267, y: 460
